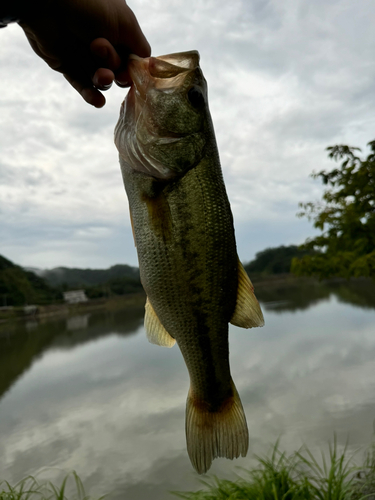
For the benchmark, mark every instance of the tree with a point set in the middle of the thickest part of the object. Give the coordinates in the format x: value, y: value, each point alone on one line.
x: 19, y: 287
x: 274, y: 260
x: 346, y: 218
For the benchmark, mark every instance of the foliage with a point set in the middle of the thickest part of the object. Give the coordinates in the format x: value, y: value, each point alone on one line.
x: 30, y: 489
x: 119, y: 286
x: 74, y: 277
x: 5, y: 263
x: 19, y: 287
x: 274, y: 260
x: 297, y: 477
x: 120, y: 279
x: 346, y: 218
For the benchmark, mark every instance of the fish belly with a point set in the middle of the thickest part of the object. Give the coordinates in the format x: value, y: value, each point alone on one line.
x: 188, y: 264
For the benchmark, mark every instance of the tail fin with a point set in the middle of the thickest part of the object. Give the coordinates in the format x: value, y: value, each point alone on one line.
x: 215, y: 434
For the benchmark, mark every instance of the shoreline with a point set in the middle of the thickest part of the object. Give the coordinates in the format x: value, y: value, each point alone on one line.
x: 261, y: 283
x: 63, y: 309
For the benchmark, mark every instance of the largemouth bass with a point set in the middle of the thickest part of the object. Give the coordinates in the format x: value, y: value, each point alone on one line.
x: 183, y: 230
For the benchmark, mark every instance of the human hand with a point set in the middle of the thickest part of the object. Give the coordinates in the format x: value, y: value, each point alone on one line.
x: 87, y: 40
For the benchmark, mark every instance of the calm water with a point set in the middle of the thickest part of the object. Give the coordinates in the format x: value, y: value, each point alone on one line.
x: 89, y: 392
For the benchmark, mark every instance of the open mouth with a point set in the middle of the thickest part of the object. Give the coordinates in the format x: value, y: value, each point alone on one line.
x: 143, y: 142
x: 164, y: 72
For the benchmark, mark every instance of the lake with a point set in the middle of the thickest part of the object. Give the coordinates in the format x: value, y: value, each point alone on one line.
x: 89, y: 393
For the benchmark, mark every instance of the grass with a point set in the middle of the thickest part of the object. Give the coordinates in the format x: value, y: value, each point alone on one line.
x: 30, y: 489
x: 299, y: 476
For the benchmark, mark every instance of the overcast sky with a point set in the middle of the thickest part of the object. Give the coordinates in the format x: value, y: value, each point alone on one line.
x: 286, y: 80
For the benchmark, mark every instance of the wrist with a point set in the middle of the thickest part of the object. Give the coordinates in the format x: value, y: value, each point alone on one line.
x: 14, y: 11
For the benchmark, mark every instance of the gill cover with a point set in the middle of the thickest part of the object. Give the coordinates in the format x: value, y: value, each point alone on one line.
x: 161, y: 128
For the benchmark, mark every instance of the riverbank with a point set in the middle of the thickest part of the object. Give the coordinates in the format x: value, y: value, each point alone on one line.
x: 267, y: 287
x: 277, y: 476
x: 63, y: 309
x: 260, y: 280
x: 300, y: 476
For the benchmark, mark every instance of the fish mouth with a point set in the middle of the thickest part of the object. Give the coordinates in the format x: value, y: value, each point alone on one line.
x: 139, y: 74
x: 138, y: 136
x: 163, y: 72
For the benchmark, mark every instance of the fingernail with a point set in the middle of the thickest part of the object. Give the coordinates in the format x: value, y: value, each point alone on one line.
x: 123, y: 84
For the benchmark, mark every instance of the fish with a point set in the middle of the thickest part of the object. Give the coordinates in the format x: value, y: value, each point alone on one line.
x: 184, y: 234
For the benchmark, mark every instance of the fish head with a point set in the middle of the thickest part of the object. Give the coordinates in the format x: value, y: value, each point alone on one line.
x: 163, y: 123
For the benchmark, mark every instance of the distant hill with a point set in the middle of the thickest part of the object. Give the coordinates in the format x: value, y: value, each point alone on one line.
x: 36, y: 286
x: 274, y: 260
x: 19, y: 287
x: 117, y: 280
x: 74, y: 277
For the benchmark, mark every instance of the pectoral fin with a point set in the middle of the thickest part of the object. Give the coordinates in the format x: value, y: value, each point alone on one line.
x: 155, y: 331
x: 247, y: 313
x: 160, y: 217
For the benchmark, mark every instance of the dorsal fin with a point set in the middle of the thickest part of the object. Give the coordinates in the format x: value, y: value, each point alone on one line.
x: 155, y: 331
x: 247, y: 313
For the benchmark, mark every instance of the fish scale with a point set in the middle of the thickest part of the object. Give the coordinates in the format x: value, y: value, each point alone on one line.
x: 184, y: 234
x: 206, y: 291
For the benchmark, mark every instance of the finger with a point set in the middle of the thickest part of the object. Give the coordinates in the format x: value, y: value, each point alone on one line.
x: 103, y: 78
x: 42, y: 48
x: 122, y: 78
x: 132, y: 37
x: 106, y: 53
x: 90, y: 94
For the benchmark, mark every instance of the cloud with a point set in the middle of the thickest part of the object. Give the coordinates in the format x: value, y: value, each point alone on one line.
x: 285, y: 80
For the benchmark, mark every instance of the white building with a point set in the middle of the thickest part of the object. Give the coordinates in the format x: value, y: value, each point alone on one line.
x: 75, y: 296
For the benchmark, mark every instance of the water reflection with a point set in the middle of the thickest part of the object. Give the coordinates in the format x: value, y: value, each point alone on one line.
x: 22, y: 343
x: 89, y: 393
x: 293, y: 295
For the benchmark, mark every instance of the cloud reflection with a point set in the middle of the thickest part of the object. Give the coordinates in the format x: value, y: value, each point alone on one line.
x: 112, y: 406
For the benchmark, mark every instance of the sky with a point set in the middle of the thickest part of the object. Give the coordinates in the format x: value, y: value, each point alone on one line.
x: 285, y: 79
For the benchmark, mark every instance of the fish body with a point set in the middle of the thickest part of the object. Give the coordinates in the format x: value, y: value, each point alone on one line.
x: 183, y: 231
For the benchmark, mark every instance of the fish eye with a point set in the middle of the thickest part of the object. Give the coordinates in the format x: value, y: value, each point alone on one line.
x: 195, y: 97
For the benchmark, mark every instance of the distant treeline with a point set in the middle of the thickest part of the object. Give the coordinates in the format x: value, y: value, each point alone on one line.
x: 117, y: 280
x: 69, y: 277
x: 276, y: 260
x: 19, y: 287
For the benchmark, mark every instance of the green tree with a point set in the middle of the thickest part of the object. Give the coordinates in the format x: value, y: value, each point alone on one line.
x: 346, y: 217
x: 274, y: 260
x: 19, y: 287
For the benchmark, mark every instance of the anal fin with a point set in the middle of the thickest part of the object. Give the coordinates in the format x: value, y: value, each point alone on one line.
x: 247, y: 313
x: 155, y: 331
